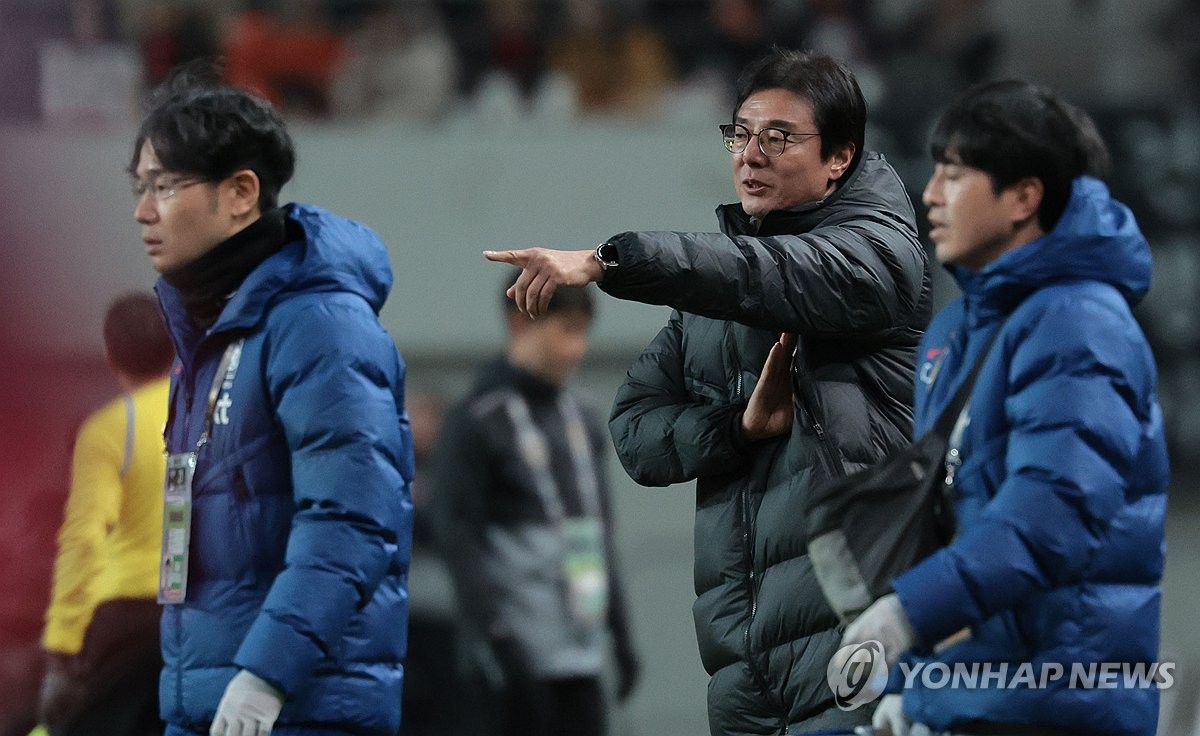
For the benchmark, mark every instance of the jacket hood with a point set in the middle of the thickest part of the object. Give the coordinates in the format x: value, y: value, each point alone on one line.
x: 872, y: 189
x: 1096, y: 239
x: 324, y: 252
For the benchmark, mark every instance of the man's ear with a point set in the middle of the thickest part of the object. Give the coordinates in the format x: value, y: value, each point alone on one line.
x: 243, y: 192
x: 1027, y: 199
x: 839, y: 161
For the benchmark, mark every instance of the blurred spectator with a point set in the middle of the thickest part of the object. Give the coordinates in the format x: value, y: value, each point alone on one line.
x: 399, y: 64
x: 289, y: 55
x: 836, y: 27
x: 101, y: 634
x: 174, y: 34
x: 1180, y: 26
x: 525, y: 523
x: 740, y: 35
x: 932, y: 49
x: 840, y: 28
x: 466, y: 24
x: 518, y: 32
x: 614, y: 66
x: 425, y: 413
x: 87, y: 75
x: 432, y: 699
x: 1094, y: 51
x: 680, y: 23
x: 23, y: 25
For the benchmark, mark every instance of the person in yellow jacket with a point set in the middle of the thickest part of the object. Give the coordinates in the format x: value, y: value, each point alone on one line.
x: 101, y: 635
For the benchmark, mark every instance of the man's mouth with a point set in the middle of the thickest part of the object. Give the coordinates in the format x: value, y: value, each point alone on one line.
x: 753, y: 186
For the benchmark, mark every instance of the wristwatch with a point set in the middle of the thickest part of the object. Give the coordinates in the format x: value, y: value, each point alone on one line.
x: 606, y: 256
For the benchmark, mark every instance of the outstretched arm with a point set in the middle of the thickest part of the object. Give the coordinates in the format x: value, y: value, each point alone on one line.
x: 859, y: 275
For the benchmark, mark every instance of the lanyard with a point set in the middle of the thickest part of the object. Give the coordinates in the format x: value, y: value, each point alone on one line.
x: 222, y: 381
x: 536, y: 453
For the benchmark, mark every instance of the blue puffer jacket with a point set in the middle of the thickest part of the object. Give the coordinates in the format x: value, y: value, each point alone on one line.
x: 302, y: 514
x: 1061, y: 497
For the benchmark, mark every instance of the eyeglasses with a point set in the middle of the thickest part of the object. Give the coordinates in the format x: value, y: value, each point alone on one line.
x: 771, y: 141
x: 163, y: 188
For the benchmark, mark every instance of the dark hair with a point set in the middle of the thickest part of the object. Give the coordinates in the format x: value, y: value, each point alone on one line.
x: 135, y: 337
x: 1012, y: 130
x: 566, y: 299
x: 201, y: 127
x: 839, y: 110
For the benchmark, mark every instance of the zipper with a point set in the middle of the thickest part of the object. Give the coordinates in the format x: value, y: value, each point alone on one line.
x: 747, y: 537
x: 808, y: 402
x: 752, y: 582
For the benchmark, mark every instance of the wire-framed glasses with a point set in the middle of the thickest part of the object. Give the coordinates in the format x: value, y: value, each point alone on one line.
x: 771, y: 141
x: 163, y: 187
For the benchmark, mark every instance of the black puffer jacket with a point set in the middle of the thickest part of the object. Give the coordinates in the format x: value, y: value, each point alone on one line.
x: 850, y: 277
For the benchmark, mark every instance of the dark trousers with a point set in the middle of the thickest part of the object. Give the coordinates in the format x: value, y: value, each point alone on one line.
x: 117, y: 673
x: 569, y: 707
x: 507, y: 699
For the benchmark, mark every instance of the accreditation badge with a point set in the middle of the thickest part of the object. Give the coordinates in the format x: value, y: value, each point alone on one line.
x: 583, y: 567
x: 177, y: 527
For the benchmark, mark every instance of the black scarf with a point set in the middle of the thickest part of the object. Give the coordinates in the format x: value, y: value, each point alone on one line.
x: 207, y: 283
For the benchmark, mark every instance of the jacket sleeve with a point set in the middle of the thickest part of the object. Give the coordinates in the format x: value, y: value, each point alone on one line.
x: 662, y: 435
x: 92, y: 504
x: 1078, y: 403
x: 335, y: 380
x: 858, y: 276
x: 463, y: 477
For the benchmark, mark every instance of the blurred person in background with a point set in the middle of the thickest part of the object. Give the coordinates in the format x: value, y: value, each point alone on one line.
x: 518, y: 34
x: 526, y: 526
x: 398, y: 64
x: 616, y: 66
x: 288, y: 515
x: 1061, y: 493
x: 433, y: 684
x: 821, y: 247
x: 288, y: 52
x: 170, y: 34
x: 101, y: 635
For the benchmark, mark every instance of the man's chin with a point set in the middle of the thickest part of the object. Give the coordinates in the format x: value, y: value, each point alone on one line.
x: 755, y: 208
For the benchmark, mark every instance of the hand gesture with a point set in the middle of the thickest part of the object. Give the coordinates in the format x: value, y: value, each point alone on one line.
x: 544, y: 270
x: 769, y: 413
x: 629, y: 671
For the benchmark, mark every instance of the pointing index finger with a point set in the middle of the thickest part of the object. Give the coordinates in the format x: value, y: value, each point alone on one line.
x: 505, y: 256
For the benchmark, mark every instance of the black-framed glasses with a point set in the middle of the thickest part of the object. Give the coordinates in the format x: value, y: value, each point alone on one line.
x: 771, y: 141
x: 163, y: 187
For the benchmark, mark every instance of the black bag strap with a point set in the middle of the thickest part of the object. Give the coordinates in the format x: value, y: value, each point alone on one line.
x: 802, y: 385
x: 945, y: 421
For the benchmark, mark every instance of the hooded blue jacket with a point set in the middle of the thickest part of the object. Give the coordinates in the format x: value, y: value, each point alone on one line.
x: 1061, y: 496
x: 301, y: 508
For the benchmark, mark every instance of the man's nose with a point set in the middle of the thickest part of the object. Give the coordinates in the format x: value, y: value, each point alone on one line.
x: 753, y: 153
x: 145, y: 211
x: 929, y: 195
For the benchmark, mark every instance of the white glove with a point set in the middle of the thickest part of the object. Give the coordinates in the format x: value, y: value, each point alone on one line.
x: 249, y: 707
x: 889, y: 718
x: 885, y: 622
